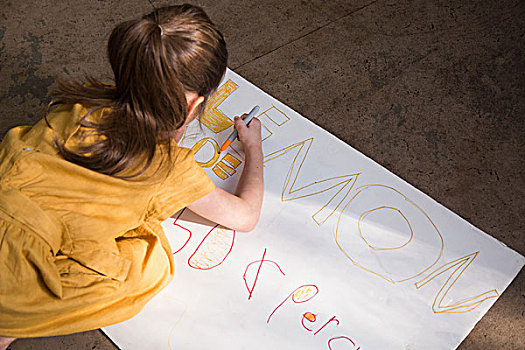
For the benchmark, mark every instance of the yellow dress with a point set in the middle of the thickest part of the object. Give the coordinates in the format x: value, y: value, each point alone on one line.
x: 80, y: 250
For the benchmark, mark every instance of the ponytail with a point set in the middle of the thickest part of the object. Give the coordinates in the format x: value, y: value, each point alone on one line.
x: 155, y: 61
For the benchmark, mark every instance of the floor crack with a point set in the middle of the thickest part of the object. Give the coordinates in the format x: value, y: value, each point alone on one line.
x: 306, y: 34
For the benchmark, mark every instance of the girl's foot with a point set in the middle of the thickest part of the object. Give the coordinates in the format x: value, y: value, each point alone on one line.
x: 4, y: 342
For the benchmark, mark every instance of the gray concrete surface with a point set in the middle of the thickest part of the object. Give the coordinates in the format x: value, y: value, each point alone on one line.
x: 434, y: 90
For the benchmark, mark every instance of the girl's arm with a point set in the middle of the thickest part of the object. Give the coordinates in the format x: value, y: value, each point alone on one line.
x: 239, y: 211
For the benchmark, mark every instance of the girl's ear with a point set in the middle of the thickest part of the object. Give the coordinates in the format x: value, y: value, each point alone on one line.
x: 194, y: 103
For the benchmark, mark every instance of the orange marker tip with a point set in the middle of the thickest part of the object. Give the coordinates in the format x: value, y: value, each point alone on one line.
x: 225, y: 145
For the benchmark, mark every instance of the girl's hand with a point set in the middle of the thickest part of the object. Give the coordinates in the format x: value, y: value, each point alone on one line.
x: 249, y: 135
x: 239, y: 211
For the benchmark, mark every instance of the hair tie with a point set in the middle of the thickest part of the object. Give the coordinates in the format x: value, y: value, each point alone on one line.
x: 161, y: 30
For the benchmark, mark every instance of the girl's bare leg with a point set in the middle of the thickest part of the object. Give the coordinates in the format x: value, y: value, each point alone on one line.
x: 4, y: 342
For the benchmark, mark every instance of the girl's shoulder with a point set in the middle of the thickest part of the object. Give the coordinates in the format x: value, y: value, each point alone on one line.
x: 78, y: 123
x: 64, y: 124
x: 59, y: 124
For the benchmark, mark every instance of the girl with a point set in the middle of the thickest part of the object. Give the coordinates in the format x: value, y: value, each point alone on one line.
x: 83, y: 192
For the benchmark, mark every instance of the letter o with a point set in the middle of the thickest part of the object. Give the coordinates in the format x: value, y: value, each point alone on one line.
x: 417, y: 243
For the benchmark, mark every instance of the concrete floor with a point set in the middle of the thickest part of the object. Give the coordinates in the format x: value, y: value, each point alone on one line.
x: 434, y: 90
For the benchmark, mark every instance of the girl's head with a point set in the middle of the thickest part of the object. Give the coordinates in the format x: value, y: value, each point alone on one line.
x: 159, y: 62
x: 160, y: 57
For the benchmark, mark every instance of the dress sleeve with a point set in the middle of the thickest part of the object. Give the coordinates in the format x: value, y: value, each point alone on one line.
x: 185, y: 183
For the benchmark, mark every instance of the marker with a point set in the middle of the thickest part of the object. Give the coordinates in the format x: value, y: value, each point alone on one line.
x: 233, y: 135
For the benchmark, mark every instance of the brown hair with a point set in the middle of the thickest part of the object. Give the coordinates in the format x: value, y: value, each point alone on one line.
x: 155, y: 60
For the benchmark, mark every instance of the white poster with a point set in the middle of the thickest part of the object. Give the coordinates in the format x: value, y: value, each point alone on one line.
x: 346, y: 255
